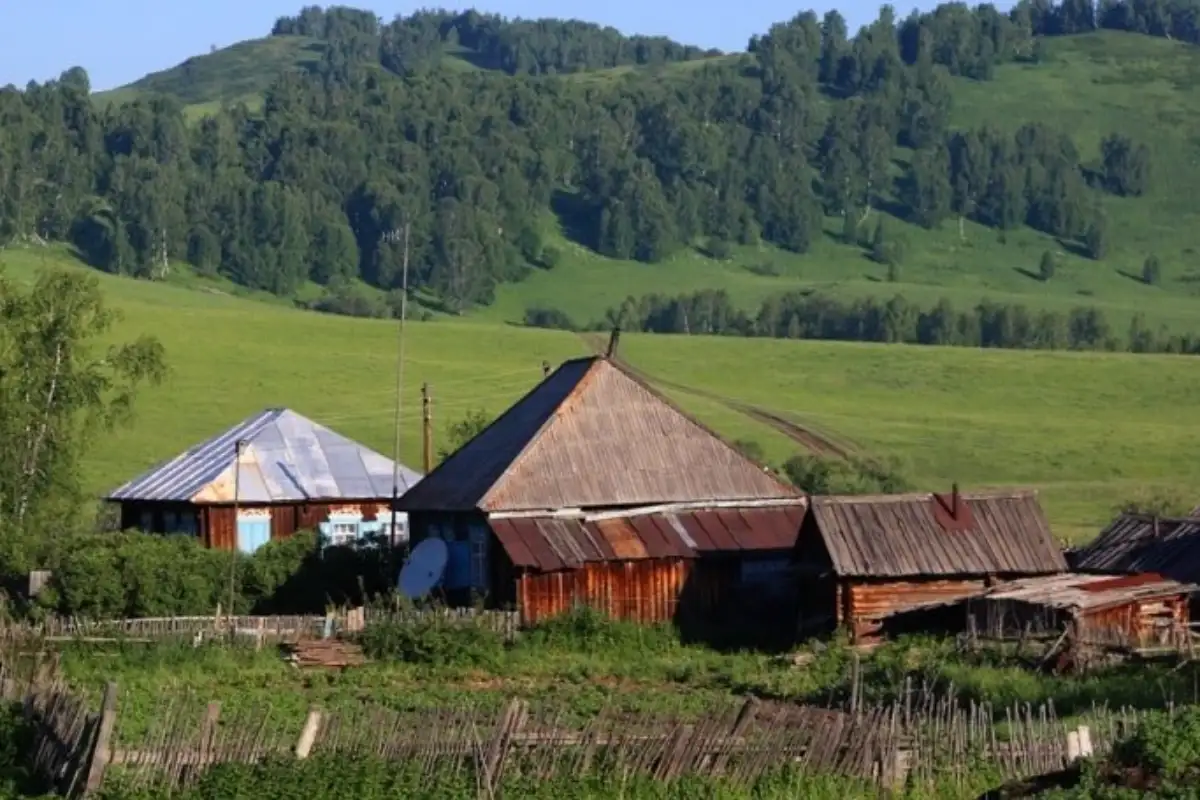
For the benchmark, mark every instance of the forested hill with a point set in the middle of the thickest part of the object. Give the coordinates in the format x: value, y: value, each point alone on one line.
x: 635, y: 147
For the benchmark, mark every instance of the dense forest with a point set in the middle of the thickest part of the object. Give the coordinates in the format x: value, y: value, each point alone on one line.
x: 757, y: 147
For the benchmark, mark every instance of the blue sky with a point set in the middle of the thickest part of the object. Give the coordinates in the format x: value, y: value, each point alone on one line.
x: 118, y: 41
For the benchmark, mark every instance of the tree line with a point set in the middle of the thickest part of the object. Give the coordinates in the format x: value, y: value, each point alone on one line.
x: 319, y: 184
x: 807, y: 314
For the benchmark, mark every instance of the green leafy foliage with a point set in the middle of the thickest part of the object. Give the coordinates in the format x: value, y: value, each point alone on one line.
x: 141, y: 575
x: 829, y: 475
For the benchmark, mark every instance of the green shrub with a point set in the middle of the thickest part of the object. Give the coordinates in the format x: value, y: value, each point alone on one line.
x: 434, y: 641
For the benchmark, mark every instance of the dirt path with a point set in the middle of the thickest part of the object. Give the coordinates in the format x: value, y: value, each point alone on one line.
x: 807, y: 438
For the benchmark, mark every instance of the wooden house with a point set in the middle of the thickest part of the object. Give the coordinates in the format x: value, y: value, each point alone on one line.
x: 594, y: 489
x: 263, y: 479
x: 864, y: 558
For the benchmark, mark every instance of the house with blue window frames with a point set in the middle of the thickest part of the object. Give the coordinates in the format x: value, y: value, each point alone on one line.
x: 270, y: 475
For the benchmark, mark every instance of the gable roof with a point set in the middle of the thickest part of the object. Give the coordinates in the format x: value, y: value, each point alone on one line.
x: 1144, y: 543
x: 907, y: 536
x: 287, y: 458
x: 590, y: 436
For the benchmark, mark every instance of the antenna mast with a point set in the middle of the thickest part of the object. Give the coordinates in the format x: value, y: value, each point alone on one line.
x: 399, y: 383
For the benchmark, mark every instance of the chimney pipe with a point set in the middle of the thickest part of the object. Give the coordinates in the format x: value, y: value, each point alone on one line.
x: 1155, y: 522
x: 954, y: 500
x: 545, y: 369
x: 613, y: 339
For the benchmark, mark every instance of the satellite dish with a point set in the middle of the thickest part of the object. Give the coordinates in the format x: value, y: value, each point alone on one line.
x: 424, y: 568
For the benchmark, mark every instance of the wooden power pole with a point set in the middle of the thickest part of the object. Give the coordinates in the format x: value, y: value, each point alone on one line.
x: 427, y: 427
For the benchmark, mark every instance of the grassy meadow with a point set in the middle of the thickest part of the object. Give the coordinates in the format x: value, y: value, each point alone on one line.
x: 1088, y: 430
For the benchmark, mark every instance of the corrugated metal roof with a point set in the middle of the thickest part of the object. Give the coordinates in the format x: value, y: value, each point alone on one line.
x: 592, y: 436
x: 1143, y: 543
x: 286, y: 458
x: 900, y: 535
x: 1080, y: 592
x: 550, y: 543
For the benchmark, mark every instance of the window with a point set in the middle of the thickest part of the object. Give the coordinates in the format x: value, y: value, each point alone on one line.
x: 343, y: 533
x: 147, y: 522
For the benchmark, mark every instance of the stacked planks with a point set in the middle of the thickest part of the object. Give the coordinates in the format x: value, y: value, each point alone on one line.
x: 327, y: 653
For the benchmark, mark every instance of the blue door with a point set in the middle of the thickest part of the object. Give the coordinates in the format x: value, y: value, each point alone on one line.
x: 253, y: 533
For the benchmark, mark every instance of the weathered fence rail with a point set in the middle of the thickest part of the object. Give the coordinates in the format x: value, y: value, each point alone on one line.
x: 260, y: 628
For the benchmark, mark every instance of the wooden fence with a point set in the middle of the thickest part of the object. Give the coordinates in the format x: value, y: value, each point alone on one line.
x: 259, y: 629
x: 925, y: 739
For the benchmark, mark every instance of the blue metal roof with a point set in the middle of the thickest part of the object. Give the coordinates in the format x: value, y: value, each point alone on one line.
x: 285, y: 458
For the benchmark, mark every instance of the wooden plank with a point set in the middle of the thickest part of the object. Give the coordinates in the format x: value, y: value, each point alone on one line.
x: 102, y: 747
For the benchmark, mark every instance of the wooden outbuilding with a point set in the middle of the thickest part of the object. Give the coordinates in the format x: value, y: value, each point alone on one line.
x: 594, y: 489
x: 1133, y: 613
x: 265, y: 478
x: 864, y: 558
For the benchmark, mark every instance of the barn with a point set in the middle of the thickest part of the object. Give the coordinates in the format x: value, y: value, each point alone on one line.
x: 861, y: 559
x: 265, y: 478
x: 595, y: 489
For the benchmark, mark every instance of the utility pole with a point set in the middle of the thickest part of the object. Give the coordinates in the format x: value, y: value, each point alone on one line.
x: 392, y: 236
x: 233, y: 554
x: 427, y: 427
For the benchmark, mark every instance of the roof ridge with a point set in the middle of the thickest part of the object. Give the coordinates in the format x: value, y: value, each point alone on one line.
x: 910, y: 497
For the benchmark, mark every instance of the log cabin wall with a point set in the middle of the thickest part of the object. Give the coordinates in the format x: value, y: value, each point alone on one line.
x: 864, y: 604
x: 645, y: 591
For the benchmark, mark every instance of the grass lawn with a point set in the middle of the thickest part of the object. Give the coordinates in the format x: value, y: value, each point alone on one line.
x: 1088, y: 430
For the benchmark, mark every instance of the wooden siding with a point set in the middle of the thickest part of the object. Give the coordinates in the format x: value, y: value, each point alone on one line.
x: 865, y: 604
x: 646, y: 591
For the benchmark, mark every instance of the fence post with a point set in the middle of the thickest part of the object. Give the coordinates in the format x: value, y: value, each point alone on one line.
x: 309, y: 734
x: 208, y: 732
x: 102, y: 746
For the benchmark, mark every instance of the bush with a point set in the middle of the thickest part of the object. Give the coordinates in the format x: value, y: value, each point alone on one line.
x: 826, y: 475
x: 104, y: 576
x: 551, y: 318
x: 433, y: 641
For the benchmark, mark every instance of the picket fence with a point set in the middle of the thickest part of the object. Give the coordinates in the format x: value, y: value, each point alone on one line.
x: 925, y: 739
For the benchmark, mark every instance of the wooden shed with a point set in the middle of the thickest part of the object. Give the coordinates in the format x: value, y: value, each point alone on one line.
x: 865, y: 558
x: 281, y: 472
x: 595, y: 489
x: 1128, y: 612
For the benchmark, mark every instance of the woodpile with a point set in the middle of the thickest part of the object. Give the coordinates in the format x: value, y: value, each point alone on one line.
x: 327, y: 653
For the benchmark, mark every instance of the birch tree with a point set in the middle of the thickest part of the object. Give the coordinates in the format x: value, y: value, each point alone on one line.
x: 59, y: 388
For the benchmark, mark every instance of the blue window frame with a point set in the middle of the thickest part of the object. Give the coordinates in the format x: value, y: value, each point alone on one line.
x: 253, y: 532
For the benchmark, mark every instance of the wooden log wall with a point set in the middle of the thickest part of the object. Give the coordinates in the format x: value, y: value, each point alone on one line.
x: 646, y: 591
x: 862, y: 604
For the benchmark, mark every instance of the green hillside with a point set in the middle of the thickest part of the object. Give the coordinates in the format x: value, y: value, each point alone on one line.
x: 1088, y: 85
x: 1089, y: 430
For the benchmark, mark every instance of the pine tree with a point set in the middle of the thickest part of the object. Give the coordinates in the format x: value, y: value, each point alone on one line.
x: 1047, y: 266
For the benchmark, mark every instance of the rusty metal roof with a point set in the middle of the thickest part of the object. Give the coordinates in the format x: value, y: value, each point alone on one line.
x: 592, y: 436
x: 1080, y: 592
x: 1143, y: 543
x: 901, y: 535
x: 549, y: 543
